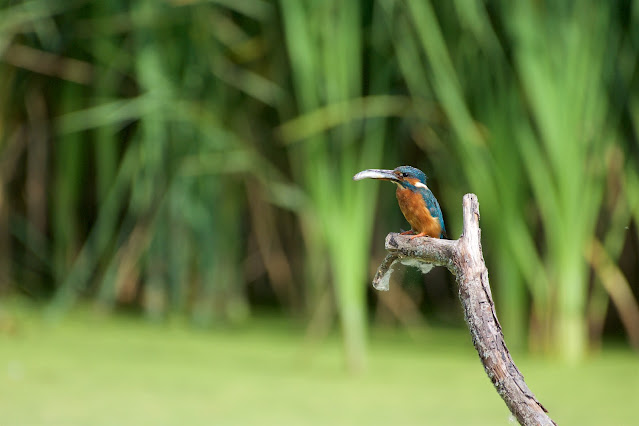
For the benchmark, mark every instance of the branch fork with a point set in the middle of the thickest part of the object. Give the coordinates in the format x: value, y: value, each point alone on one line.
x: 465, y: 260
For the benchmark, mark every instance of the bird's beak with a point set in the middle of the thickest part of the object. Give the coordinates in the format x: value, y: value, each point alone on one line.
x: 377, y: 174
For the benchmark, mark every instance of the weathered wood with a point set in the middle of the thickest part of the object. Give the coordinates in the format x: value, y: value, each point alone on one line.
x: 464, y: 258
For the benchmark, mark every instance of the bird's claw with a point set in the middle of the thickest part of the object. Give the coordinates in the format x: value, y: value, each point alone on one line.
x: 421, y: 234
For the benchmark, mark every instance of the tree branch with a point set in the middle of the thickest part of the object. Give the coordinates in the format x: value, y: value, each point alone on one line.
x: 464, y: 258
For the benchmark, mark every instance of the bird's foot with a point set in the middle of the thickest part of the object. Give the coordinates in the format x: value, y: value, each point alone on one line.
x: 407, y: 232
x: 421, y: 234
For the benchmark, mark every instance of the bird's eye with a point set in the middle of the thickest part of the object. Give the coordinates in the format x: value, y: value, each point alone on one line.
x: 404, y: 174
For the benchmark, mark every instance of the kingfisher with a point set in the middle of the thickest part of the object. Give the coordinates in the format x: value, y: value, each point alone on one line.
x: 416, y: 200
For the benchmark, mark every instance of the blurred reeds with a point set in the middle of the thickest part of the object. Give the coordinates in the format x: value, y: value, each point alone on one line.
x: 195, y: 157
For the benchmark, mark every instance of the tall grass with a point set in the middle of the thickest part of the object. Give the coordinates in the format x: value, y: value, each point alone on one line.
x: 325, y: 49
x: 196, y: 157
x: 567, y: 100
x: 482, y: 144
x: 526, y: 100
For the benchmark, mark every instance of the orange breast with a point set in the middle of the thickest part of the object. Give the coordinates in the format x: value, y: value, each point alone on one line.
x: 415, y: 211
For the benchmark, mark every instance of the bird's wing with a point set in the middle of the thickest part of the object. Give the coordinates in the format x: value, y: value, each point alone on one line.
x: 433, y: 207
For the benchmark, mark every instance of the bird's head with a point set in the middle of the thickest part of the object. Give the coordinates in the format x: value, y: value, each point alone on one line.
x: 404, y: 176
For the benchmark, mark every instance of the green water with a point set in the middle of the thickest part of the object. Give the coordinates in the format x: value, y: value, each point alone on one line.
x: 93, y: 370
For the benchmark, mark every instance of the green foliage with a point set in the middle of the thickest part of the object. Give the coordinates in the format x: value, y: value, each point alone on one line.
x: 183, y: 156
x: 530, y: 120
x: 325, y: 44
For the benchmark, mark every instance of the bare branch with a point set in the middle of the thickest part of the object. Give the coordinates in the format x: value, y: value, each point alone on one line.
x: 464, y: 258
x: 382, y: 277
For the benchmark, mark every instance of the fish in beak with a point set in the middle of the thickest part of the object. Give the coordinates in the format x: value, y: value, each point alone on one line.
x: 390, y: 175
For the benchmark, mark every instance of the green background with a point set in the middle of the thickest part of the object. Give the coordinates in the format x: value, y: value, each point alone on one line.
x: 181, y: 238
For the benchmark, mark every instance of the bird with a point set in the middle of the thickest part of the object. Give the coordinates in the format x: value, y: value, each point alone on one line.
x: 416, y: 200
